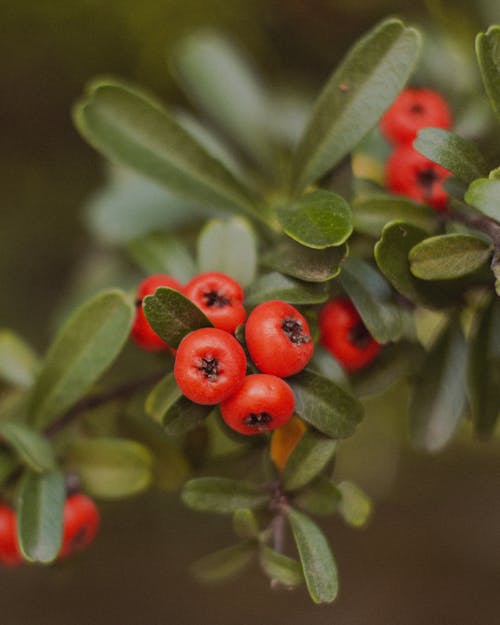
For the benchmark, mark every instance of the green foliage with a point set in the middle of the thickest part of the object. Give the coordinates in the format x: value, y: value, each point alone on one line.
x: 222, y: 495
x: 279, y: 567
x: 18, y: 362
x: 354, y: 506
x: 159, y: 252
x: 32, y: 448
x: 488, y: 54
x: 275, y: 285
x: 483, y: 195
x: 311, y: 455
x: 221, y: 565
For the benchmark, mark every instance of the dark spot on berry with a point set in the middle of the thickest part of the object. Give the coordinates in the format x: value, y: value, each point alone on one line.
x: 258, y: 420
x: 79, y: 540
x: 138, y: 303
x: 417, y: 108
x: 293, y: 329
x: 359, y: 336
x: 215, y: 299
x: 210, y: 368
x: 427, y: 177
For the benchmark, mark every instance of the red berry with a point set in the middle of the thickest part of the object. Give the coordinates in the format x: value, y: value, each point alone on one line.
x: 142, y: 333
x: 219, y: 297
x: 411, y: 174
x: 278, y: 338
x: 10, y: 554
x: 80, y: 524
x: 412, y: 110
x: 263, y: 402
x: 344, y: 335
x: 209, y: 366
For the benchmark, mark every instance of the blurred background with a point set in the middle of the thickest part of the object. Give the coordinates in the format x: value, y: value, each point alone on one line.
x: 432, y: 550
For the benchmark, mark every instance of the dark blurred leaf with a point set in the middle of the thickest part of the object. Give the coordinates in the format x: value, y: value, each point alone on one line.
x: 488, y: 55
x: 245, y: 523
x: 222, y: 495
x: 33, y: 449
x: 354, y: 506
x: 162, y: 253
x: 7, y: 465
x: 355, y: 97
x: 84, y: 348
x: 318, y: 565
x: 320, y: 497
x: 279, y: 567
x: 221, y: 565
x: 309, y: 457
x: 484, y: 194
x: 455, y: 154
x: 325, y: 364
x: 326, y: 406
x: 40, y: 515
x: 275, y: 285
x: 18, y: 362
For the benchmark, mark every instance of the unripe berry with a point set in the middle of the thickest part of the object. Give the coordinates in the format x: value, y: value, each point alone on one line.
x: 278, y: 338
x: 262, y: 403
x: 10, y: 554
x: 80, y: 524
x: 344, y: 335
x: 209, y: 366
x: 220, y: 297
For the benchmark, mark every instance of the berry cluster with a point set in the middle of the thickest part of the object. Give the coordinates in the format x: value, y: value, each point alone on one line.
x: 80, y: 525
x: 407, y: 171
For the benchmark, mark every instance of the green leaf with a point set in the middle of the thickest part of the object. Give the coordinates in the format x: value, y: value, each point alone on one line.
x: 279, y: 567
x: 129, y: 128
x: 372, y: 297
x: 230, y: 247
x: 304, y: 263
x: 40, y: 515
x: 483, y: 371
x: 223, y: 564
x: 326, y: 406
x: 488, y: 56
x: 275, y: 285
x: 85, y: 347
x: 455, y: 154
x: 320, y: 497
x: 111, y: 468
x: 318, y: 220
x: 484, y: 194
x: 32, y: 448
x: 318, y: 565
x: 354, y: 99
x: 18, y: 362
x: 448, y: 256
x: 370, y: 213
x: 309, y: 457
x: 172, y: 315
x: 222, y: 495
x: 438, y: 396
x: 355, y: 506
x: 245, y: 523
x: 162, y: 253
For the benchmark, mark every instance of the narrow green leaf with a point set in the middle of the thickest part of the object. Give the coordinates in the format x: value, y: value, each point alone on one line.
x: 279, y: 567
x: 309, y: 457
x: 85, y: 347
x: 223, y: 564
x: 33, y: 449
x: 372, y: 297
x: 438, y: 397
x: 318, y: 220
x: 172, y: 315
x: 355, y: 506
x: 320, y: 497
x: 275, y: 285
x: 245, y: 523
x: 18, y: 362
x: 484, y: 194
x: 318, y: 565
x: 483, y: 371
x: 129, y: 128
x: 358, y: 93
x: 452, y: 152
x: 40, y: 515
x: 326, y: 406
x: 230, y: 247
x: 111, y: 468
x: 222, y: 495
x: 448, y: 256
x: 488, y: 56
x: 162, y: 397
x: 162, y: 253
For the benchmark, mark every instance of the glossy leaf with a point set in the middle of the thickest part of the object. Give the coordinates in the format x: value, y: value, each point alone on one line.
x: 484, y: 194
x: 18, y: 362
x: 488, y: 55
x: 448, y: 256
x: 354, y: 99
x: 372, y: 297
x: 275, y: 285
x: 224, y: 564
x: 230, y: 247
x: 309, y: 457
x: 318, y: 565
x: 111, y: 468
x: 355, y: 506
x: 279, y: 567
x: 32, y: 448
x: 438, y: 397
x: 172, y: 315
x: 463, y: 158
x: 326, y: 406
x: 222, y: 495
x: 245, y: 523
x: 162, y: 253
x: 40, y: 515
x: 85, y: 347
x: 320, y: 497
x: 318, y: 220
